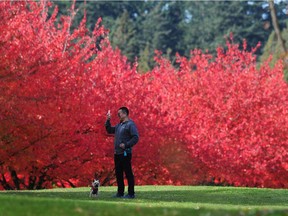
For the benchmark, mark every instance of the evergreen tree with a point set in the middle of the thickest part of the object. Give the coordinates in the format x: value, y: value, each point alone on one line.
x: 174, y: 16
x: 140, y: 28
x: 161, y: 29
x: 124, y: 36
x: 152, y: 33
x: 211, y: 21
x: 145, y: 61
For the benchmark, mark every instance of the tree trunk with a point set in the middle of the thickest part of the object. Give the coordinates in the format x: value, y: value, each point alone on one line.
x: 4, y: 183
x: 276, y: 26
x: 15, y: 179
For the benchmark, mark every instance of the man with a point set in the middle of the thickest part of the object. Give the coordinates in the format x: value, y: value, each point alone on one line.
x: 126, y: 136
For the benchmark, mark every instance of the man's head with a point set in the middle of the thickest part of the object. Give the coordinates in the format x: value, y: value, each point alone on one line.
x: 123, y: 113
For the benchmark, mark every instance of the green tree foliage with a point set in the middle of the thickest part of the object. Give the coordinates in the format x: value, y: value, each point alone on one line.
x: 145, y: 61
x: 109, y: 11
x: 124, y: 36
x: 154, y: 33
x: 140, y: 28
x: 211, y: 21
x: 161, y: 29
x: 272, y: 48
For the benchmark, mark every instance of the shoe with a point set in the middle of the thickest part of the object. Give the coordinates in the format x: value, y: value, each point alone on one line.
x: 117, y: 196
x: 128, y: 196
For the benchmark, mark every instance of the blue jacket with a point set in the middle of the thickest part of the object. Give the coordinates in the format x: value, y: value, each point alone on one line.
x: 125, y: 132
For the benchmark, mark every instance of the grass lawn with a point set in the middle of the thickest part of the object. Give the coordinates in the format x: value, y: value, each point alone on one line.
x: 151, y: 200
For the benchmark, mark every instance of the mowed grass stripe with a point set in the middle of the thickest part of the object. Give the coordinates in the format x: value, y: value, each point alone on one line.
x: 151, y: 200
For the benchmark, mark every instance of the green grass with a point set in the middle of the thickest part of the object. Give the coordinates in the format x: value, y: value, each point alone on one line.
x: 151, y: 200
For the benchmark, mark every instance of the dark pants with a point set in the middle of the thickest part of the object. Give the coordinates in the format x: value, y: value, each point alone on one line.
x: 123, y: 164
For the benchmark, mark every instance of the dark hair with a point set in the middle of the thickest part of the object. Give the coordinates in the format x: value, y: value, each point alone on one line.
x: 125, y: 110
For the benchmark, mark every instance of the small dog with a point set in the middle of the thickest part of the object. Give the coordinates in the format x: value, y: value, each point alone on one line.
x: 94, y: 192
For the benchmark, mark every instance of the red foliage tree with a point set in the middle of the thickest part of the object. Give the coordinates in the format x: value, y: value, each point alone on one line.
x: 48, y: 99
x: 56, y: 87
x: 219, y: 117
x: 232, y: 116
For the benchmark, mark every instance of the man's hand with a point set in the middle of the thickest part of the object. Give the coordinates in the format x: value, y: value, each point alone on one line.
x: 122, y: 145
x: 108, y: 115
